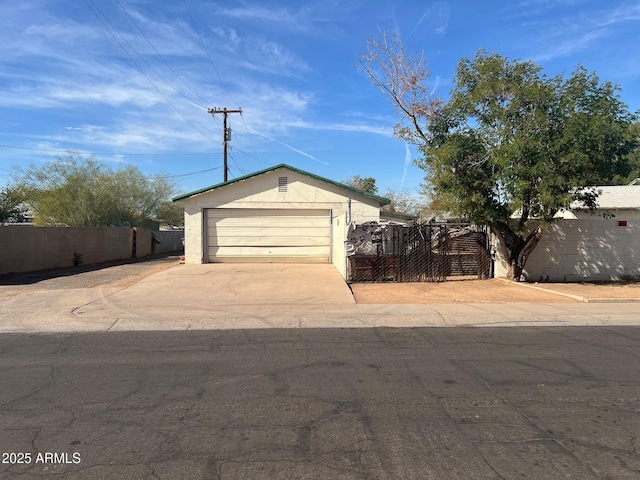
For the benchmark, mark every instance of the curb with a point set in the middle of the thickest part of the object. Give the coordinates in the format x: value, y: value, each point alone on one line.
x: 611, y: 300
x: 569, y: 295
x: 575, y: 297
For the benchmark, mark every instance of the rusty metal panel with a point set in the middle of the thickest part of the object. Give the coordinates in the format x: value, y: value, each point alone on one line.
x: 422, y: 252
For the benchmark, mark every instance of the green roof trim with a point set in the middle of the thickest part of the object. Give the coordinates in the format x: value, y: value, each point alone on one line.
x: 382, y: 200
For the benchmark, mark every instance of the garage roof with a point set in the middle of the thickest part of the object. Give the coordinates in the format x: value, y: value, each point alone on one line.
x: 382, y: 200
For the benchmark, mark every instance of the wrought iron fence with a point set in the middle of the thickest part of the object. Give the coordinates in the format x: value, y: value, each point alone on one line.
x: 423, y: 252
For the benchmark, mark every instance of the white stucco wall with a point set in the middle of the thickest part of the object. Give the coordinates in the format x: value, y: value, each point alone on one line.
x: 338, y: 237
x: 261, y: 191
x: 193, y: 247
x: 588, y: 249
x: 618, y: 214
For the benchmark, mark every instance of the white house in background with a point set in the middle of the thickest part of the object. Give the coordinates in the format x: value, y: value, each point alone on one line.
x: 581, y: 245
x: 280, y: 214
x: 613, y: 201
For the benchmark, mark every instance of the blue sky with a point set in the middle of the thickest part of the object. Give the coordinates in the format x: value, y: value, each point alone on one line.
x: 131, y: 80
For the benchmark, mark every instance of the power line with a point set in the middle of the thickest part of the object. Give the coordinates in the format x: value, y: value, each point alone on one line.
x: 161, y: 57
x: 191, y: 174
x: 207, y: 52
x: 109, y: 154
x: 257, y: 157
x: 246, y: 127
x: 95, y: 12
x: 216, y: 70
x: 178, y: 175
x: 244, y: 172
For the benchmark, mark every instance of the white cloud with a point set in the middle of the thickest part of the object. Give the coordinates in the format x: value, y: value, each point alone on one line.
x: 276, y: 17
x: 169, y: 36
x: 436, y: 17
x: 68, y: 33
x: 567, y: 34
x: 105, y: 94
x: 407, y: 163
x: 87, y: 86
x: 531, y: 8
x: 89, y: 94
x: 256, y: 53
x: 146, y: 133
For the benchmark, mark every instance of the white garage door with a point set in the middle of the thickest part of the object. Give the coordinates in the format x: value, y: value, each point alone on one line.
x: 265, y: 235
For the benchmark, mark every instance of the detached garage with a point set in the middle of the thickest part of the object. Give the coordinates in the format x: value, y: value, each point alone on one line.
x: 252, y: 234
x: 281, y: 214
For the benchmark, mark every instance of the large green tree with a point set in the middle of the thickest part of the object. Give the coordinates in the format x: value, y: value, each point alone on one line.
x: 633, y: 173
x: 366, y: 184
x: 79, y: 191
x: 512, y: 146
x: 171, y: 215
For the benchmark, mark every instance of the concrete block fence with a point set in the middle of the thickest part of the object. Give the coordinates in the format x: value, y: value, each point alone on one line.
x: 26, y: 248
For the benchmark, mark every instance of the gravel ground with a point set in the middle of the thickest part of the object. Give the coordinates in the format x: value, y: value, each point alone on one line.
x: 111, y: 274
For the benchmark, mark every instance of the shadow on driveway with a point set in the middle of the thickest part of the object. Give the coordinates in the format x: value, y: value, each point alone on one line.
x: 29, y: 278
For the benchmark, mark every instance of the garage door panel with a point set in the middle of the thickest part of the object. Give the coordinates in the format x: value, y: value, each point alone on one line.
x: 264, y: 259
x: 243, y: 232
x: 274, y: 222
x: 268, y: 235
x: 261, y: 213
x: 266, y: 241
x: 273, y: 252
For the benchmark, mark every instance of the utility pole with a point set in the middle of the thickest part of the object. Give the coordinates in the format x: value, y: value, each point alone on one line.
x: 227, y: 132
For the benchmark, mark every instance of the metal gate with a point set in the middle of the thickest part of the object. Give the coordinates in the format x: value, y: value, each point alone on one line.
x: 423, y: 252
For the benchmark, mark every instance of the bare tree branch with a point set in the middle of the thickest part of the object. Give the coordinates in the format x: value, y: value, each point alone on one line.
x: 402, y: 78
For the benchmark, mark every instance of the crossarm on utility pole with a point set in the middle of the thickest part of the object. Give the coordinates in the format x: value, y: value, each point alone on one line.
x: 226, y: 137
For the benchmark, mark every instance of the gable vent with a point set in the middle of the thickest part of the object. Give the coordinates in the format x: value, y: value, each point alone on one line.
x: 282, y: 184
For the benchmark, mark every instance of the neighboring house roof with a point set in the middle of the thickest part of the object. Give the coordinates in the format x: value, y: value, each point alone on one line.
x: 382, y: 200
x: 399, y: 216
x: 615, y: 197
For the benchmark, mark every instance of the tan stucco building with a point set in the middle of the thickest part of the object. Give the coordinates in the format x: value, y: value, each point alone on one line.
x: 280, y: 214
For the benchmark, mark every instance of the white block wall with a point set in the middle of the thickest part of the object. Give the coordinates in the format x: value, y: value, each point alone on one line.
x: 593, y: 249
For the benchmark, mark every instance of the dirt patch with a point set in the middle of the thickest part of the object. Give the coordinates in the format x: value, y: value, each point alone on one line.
x: 467, y: 291
x: 495, y: 290
x: 136, y: 276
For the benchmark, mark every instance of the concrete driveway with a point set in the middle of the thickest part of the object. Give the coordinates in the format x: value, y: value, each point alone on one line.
x: 227, y: 296
x: 228, y: 284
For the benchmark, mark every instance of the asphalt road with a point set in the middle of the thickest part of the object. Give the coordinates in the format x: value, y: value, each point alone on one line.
x: 463, y: 403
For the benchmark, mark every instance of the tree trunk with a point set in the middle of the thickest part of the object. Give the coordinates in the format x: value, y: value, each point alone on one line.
x: 518, y: 254
x: 530, y: 244
x: 514, y: 272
